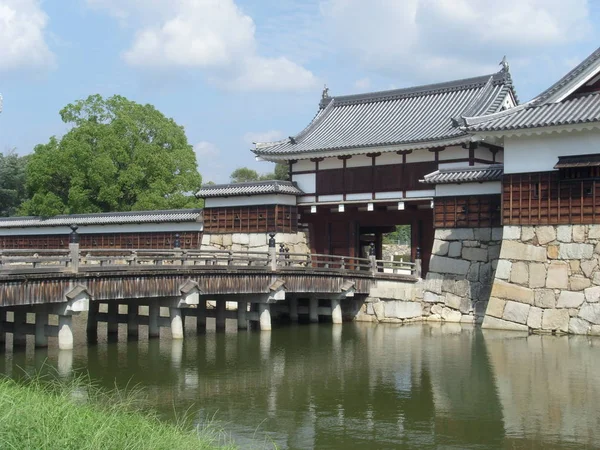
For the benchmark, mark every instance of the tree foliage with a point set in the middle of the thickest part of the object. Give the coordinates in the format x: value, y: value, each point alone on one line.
x: 12, y: 182
x: 244, y: 174
x: 118, y: 156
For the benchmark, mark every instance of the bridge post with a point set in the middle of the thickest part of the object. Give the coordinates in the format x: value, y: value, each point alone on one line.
x: 176, y: 323
x: 220, y: 317
x: 241, y: 314
x: 41, y: 322
x: 201, y: 317
x: 112, y: 318
x: 418, y: 263
x: 19, y: 321
x: 74, y: 248
x: 132, y: 319
x: 65, y: 332
x: 2, y: 331
x: 153, y: 318
x: 313, y: 310
x: 264, y: 314
x: 293, y: 309
x: 336, y: 311
x: 272, y: 252
x: 372, y: 258
x: 92, y: 322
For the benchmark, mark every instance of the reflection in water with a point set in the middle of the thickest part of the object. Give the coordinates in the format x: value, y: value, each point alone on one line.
x: 359, y: 385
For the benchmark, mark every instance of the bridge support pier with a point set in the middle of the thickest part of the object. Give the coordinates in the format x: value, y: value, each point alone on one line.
x: 221, y: 306
x: 264, y: 312
x: 201, y: 317
x: 19, y: 324
x: 293, y: 309
x: 41, y: 321
x: 92, y: 322
x: 336, y: 311
x: 242, y: 316
x: 65, y: 333
x: 153, y: 319
x: 112, y: 318
x: 313, y: 310
x: 2, y: 331
x: 132, y: 319
x: 176, y: 323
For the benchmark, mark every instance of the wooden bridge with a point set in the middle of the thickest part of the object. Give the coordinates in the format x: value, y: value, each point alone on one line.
x: 187, y: 282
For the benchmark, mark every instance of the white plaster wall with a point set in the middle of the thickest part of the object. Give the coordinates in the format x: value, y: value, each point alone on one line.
x: 388, y: 158
x: 418, y: 194
x: 454, y: 152
x: 453, y: 165
x: 83, y: 229
x: 306, y: 199
x: 307, y: 182
x: 388, y: 195
x: 304, y: 164
x: 484, y: 153
x: 331, y: 198
x: 331, y: 163
x: 249, y: 200
x: 420, y: 156
x: 447, y: 190
x: 363, y: 196
x: 359, y: 161
x: 540, y: 153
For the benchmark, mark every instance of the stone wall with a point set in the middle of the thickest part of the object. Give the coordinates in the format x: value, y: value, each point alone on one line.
x: 547, y: 280
x: 391, y: 302
x: 461, y: 273
x: 239, y: 242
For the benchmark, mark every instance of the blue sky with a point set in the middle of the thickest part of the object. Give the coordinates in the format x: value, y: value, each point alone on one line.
x: 236, y: 71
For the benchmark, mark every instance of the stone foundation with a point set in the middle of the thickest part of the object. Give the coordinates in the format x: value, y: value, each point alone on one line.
x: 547, y: 280
x: 258, y: 242
x: 391, y: 302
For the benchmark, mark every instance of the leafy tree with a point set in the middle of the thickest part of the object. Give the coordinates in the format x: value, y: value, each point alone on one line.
x: 244, y: 174
x: 118, y: 156
x: 281, y: 172
x: 12, y: 182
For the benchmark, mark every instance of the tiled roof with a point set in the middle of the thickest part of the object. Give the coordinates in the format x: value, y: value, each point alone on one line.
x: 582, y: 109
x: 175, y: 215
x: 250, y: 188
x: 417, y: 115
x: 476, y: 174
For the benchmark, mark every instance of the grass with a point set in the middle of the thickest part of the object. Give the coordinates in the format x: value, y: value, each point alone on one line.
x: 41, y: 413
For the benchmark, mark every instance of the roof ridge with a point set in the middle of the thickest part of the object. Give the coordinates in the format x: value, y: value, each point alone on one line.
x: 502, y: 76
x: 470, y: 168
x: 103, y: 214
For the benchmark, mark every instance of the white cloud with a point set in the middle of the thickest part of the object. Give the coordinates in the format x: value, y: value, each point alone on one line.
x: 22, y: 41
x: 420, y: 38
x: 363, y: 84
x: 263, y: 136
x: 211, y: 35
x: 210, y: 164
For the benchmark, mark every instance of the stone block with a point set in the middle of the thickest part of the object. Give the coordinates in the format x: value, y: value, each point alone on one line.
x: 595, y: 330
x: 534, y: 320
x: 475, y: 254
x: 519, y: 273
x: 379, y: 310
x: 564, y: 233
x: 527, y: 233
x: 430, y: 297
x: 575, y: 251
x: 462, y: 288
x: 454, y: 234
x: 486, y: 273
x: 433, y: 282
x: 558, y: 275
x: 545, y: 234
x: 555, y: 319
x: 206, y: 239
x: 495, y: 307
x: 482, y: 234
x: 552, y: 252
x: 257, y: 240
x: 579, y: 283
x: 588, y: 266
x: 516, y: 312
x: 442, y: 264
x: 493, y: 252
x: 460, y: 303
x: 590, y: 312
x: 467, y: 319
x: 545, y: 298
x: 497, y: 233
x: 579, y: 233
x: 568, y: 299
x: 594, y: 232
x: 522, y: 252
x: 537, y: 275
x: 437, y: 309
x: 455, y: 249
x: 471, y: 243
x: 579, y: 326
x: 240, y: 238
x: 227, y: 240
x: 216, y: 240
x: 596, y: 278
x: 509, y: 291
x: 473, y: 274
x: 370, y: 310
x: 494, y: 323
x: 450, y: 315
x: 592, y: 294
x: 511, y: 233
x: 574, y: 266
x: 440, y: 248
x: 402, y: 310
x: 503, y: 269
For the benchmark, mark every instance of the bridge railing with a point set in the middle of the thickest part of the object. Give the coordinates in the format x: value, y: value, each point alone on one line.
x: 43, y: 259
x: 322, y: 261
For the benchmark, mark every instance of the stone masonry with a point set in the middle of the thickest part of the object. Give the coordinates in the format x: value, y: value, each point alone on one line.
x: 258, y: 242
x: 547, y: 280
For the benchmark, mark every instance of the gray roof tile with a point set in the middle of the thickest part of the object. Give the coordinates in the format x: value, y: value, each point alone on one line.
x: 120, y: 218
x: 403, y: 116
x: 476, y: 174
x: 250, y: 188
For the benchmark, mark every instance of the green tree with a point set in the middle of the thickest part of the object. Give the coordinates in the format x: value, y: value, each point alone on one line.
x: 244, y: 174
x: 281, y: 172
x: 12, y: 182
x: 118, y: 156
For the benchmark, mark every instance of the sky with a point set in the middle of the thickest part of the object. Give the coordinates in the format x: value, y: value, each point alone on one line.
x: 233, y: 72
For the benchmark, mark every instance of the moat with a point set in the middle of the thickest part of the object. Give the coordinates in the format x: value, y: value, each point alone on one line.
x: 356, y: 385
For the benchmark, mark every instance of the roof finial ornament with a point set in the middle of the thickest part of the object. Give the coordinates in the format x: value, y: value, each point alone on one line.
x: 325, y: 94
x: 504, y: 64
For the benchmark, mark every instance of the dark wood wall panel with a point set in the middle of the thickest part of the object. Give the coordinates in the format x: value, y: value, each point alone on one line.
x: 251, y: 219
x: 392, y: 177
x: 544, y: 199
x: 467, y: 211
x: 154, y: 241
